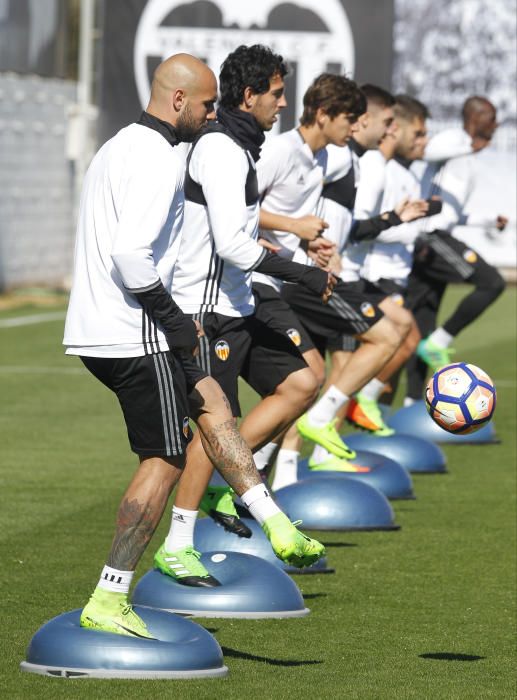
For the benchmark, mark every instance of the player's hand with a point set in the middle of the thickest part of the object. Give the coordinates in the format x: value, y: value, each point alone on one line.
x: 331, y: 283
x: 501, y: 222
x: 200, y: 333
x: 309, y: 227
x: 409, y: 210
x: 321, y: 251
x: 268, y: 245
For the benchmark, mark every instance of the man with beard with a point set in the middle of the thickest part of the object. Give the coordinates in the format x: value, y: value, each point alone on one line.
x: 219, y: 236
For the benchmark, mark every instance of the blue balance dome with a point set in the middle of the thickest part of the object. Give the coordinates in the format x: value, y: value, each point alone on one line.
x: 385, y: 475
x: 250, y: 588
x: 336, y: 503
x: 414, y: 420
x: 209, y: 536
x: 414, y: 454
x: 182, y: 649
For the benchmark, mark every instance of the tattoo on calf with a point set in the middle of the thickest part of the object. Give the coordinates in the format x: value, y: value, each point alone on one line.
x: 231, y: 456
x: 136, y: 524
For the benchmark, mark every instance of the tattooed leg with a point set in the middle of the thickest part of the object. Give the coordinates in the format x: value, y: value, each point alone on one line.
x: 141, y: 509
x: 226, y: 449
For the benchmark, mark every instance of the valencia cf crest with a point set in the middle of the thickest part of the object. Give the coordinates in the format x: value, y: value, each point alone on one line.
x: 397, y: 299
x: 470, y: 256
x: 222, y: 350
x: 186, y: 427
x: 295, y: 336
x: 367, y: 309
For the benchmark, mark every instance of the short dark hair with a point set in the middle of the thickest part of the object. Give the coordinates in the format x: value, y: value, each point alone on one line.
x: 248, y: 66
x: 409, y: 108
x: 335, y: 94
x: 474, y: 105
x: 377, y: 96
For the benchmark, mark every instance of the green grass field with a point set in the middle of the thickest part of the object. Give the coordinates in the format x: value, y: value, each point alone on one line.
x: 425, y: 612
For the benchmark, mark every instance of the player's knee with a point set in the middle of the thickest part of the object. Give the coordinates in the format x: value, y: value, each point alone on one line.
x: 497, y: 284
x: 388, y: 336
x: 304, y: 385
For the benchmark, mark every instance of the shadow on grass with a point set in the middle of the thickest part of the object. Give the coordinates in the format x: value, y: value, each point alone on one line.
x: 311, y: 596
x: 339, y: 544
x: 449, y: 656
x: 233, y: 653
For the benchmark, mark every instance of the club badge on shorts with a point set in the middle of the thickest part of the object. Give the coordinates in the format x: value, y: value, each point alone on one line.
x: 470, y: 256
x: 367, y: 309
x: 295, y: 336
x: 397, y: 299
x: 222, y: 350
x: 186, y: 427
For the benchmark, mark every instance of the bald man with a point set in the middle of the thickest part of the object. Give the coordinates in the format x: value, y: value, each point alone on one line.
x: 452, y: 172
x: 132, y: 336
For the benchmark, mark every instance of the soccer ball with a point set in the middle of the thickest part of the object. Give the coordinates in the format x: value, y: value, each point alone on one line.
x: 460, y: 398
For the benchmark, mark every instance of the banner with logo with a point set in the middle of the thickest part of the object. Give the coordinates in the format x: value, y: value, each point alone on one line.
x: 341, y: 36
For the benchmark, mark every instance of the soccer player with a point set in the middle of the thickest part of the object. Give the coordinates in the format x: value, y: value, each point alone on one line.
x: 291, y: 175
x: 352, y: 206
x: 220, y: 234
x: 440, y: 258
x: 130, y: 333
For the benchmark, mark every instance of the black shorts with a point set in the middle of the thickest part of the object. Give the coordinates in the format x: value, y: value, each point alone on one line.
x: 153, y: 393
x: 251, y: 347
x: 440, y: 259
x: 348, y: 312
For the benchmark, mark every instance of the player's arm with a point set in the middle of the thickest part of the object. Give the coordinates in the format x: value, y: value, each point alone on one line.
x: 147, y: 206
x: 228, y: 214
x: 307, y: 227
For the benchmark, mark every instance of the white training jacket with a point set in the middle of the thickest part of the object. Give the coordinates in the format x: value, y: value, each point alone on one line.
x: 290, y: 180
x: 127, y: 233
x: 451, y: 172
x: 390, y: 256
x: 219, y: 241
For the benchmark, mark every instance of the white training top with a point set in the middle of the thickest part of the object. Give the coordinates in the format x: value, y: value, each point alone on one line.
x: 368, y: 201
x: 340, y: 160
x: 219, y: 241
x: 452, y: 177
x: 127, y: 232
x: 290, y: 179
x: 391, y: 254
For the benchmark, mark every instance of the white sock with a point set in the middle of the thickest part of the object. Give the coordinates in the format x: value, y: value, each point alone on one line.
x: 441, y: 338
x: 320, y: 454
x: 115, y: 580
x: 408, y: 401
x: 263, y: 457
x: 258, y: 501
x: 286, y: 471
x: 181, y: 533
x: 373, y: 389
x: 325, y: 409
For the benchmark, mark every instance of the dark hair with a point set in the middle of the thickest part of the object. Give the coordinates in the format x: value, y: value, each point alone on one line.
x: 474, y: 105
x: 409, y: 108
x: 335, y: 94
x: 377, y: 96
x: 248, y: 66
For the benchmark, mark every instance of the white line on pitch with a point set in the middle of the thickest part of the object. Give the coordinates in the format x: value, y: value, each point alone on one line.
x: 29, y: 320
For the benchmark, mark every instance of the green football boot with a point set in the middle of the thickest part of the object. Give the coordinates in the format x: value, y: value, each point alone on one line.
x: 108, y: 611
x: 326, y: 436
x: 218, y: 504
x: 289, y: 544
x: 334, y: 464
x: 365, y: 413
x: 184, y: 566
x: 434, y: 355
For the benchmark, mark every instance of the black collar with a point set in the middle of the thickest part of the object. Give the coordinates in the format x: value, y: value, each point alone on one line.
x: 356, y: 148
x: 244, y: 128
x: 404, y: 162
x: 164, y: 128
